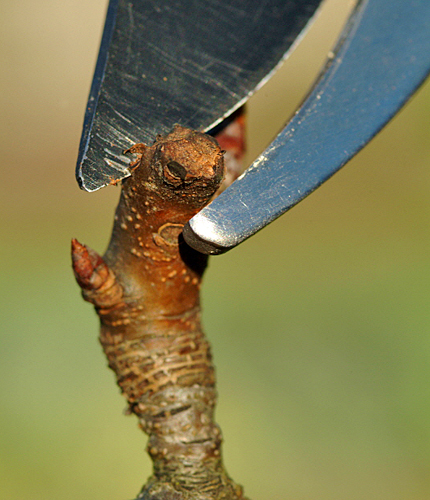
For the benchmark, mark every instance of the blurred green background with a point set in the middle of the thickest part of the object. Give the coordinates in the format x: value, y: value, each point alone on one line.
x: 320, y: 324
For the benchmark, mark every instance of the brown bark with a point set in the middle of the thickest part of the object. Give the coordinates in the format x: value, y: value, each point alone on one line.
x: 146, y: 292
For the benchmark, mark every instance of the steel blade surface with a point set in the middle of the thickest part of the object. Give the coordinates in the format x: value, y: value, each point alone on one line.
x: 178, y: 61
x: 384, y: 55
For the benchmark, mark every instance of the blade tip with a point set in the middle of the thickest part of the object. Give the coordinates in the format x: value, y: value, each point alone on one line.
x: 200, y: 244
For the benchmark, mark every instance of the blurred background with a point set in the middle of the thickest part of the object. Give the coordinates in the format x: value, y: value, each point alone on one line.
x: 320, y: 324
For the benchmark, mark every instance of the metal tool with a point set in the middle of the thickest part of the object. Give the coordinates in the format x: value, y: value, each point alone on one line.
x: 178, y: 61
x: 382, y: 57
x: 194, y: 63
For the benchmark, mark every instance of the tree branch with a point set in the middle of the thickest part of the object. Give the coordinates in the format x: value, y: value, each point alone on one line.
x: 146, y: 292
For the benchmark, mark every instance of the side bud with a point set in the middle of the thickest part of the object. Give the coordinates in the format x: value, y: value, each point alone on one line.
x: 97, y: 281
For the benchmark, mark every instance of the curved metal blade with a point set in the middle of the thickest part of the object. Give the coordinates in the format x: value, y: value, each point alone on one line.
x: 178, y: 61
x: 383, y: 56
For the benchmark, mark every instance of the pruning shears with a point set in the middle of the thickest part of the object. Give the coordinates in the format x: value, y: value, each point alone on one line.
x: 194, y: 63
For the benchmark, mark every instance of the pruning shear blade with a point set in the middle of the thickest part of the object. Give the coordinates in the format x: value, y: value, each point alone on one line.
x: 382, y: 57
x: 186, y: 62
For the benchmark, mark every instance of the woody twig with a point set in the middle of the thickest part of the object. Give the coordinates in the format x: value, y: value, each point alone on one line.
x: 146, y: 292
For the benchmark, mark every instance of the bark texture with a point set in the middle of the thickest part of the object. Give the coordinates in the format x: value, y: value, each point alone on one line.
x: 146, y: 292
